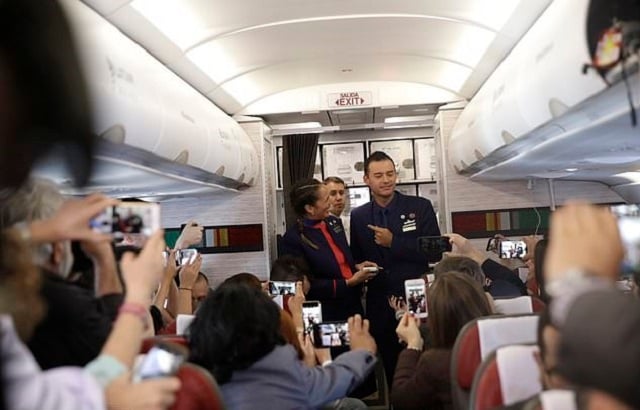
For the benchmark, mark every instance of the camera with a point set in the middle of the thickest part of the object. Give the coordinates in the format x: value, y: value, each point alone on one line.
x: 331, y: 334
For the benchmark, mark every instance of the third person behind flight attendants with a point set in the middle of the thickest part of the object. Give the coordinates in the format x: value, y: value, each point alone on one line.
x: 319, y: 238
x: 386, y: 231
x: 338, y: 197
x: 236, y: 336
x: 422, y: 376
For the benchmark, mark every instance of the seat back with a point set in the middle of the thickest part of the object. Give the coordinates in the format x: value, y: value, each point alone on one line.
x: 538, y: 304
x: 508, y: 375
x: 198, y: 390
x: 477, y: 340
x: 183, y: 322
x: 514, y: 306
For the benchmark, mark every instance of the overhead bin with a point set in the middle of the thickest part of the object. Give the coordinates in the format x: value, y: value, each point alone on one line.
x: 536, y: 84
x: 142, y: 104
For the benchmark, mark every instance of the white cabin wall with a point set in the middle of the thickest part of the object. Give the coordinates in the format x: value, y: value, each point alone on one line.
x: 233, y: 208
x: 459, y: 193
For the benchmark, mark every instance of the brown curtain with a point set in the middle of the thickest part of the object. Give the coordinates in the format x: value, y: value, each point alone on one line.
x: 298, y: 160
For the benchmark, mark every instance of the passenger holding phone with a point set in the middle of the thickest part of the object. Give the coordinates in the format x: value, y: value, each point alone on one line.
x: 386, y: 231
x: 504, y: 282
x: 422, y: 376
x: 237, y: 337
x: 319, y: 238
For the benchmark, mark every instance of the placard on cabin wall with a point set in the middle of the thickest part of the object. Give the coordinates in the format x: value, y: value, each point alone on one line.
x: 224, y: 239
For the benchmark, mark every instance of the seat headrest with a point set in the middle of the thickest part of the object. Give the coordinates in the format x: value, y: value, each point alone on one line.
x: 495, y: 332
x: 199, y: 390
x: 512, y: 306
x: 183, y: 322
x: 519, y: 374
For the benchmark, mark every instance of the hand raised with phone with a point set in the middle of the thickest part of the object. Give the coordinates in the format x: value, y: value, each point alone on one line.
x: 189, y: 272
x: 190, y: 235
x: 360, y: 336
x: 408, y: 331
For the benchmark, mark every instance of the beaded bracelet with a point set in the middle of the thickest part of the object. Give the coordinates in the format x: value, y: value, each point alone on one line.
x: 137, y: 310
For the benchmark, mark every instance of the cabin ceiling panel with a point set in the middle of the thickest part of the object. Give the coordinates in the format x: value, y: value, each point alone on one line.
x: 270, y: 80
x: 240, y: 52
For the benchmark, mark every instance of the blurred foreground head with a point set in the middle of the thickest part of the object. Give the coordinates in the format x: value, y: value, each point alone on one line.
x: 43, y: 97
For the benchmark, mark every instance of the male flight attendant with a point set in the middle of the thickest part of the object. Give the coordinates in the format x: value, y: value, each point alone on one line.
x: 385, y: 231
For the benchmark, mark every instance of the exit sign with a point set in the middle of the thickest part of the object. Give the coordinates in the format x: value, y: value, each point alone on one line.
x: 349, y: 99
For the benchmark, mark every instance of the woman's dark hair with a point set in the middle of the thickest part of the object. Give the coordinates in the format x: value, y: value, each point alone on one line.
x: 244, y: 278
x: 539, y: 254
x: 460, y: 264
x: 236, y: 326
x: 303, y: 193
x: 454, y: 300
x: 290, y: 268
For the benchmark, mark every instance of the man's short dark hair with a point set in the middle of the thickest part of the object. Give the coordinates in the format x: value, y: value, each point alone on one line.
x: 376, y: 156
x: 335, y: 180
x: 290, y: 268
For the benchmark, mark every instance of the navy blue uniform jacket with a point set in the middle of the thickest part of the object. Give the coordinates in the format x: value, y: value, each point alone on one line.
x: 327, y: 285
x: 408, y: 218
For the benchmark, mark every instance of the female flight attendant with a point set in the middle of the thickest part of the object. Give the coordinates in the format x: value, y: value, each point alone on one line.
x: 319, y: 238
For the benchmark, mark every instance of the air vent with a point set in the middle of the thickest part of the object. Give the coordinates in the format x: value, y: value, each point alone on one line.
x: 351, y: 117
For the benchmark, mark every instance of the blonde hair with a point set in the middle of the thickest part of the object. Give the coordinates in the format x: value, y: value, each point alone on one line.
x: 19, y: 284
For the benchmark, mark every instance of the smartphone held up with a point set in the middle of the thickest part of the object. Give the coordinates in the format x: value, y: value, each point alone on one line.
x: 164, y: 359
x: 416, y: 296
x: 512, y: 249
x: 331, y: 334
x: 434, y: 246
x: 135, y: 219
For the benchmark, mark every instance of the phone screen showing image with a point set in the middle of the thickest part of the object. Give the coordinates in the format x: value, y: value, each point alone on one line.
x: 282, y: 288
x: 512, y: 249
x: 331, y: 334
x: 187, y: 256
x: 311, y: 314
x: 416, y: 297
x: 128, y: 218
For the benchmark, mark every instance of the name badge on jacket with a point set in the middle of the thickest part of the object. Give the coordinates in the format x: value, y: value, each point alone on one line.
x: 409, y: 224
